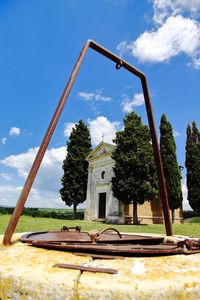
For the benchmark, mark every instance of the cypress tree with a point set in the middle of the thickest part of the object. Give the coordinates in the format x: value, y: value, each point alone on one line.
x: 192, y: 164
x: 134, y: 179
x: 170, y: 165
x: 74, y: 180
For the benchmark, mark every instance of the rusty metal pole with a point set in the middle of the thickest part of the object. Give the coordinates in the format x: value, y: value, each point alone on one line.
x: 36, y: 164
x: 157, y: 156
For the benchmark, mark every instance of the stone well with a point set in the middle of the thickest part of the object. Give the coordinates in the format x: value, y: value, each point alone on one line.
x: 27, y: 273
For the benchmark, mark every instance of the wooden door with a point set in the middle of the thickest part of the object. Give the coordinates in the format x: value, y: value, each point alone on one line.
x: 102, y: 205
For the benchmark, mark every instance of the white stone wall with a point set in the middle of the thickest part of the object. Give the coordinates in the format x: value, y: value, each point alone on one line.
x: 99, y: 163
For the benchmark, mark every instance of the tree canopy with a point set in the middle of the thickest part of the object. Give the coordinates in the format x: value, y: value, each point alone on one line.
x: 170, y: 165
x: 134, y: 179
x: 74, y: 180
x: 192, y: 164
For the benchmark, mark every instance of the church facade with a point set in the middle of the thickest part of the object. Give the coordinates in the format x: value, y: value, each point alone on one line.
x: 100, y: 202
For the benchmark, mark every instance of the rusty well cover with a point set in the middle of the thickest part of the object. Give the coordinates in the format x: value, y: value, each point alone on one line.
x: 110, y: 242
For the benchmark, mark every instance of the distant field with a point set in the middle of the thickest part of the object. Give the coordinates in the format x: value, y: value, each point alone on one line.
x: 65, y: 214
x: 28, y: 223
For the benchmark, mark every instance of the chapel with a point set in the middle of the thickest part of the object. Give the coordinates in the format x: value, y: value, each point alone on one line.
x: 100, y: 202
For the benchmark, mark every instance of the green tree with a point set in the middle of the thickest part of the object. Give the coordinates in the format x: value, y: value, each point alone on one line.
x: 74, y: 180
x: 192, y: 164
x: 170, y: 166
x: 134, y: 179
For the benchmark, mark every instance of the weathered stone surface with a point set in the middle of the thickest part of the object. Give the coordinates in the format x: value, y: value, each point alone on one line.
x: 27, y: 273
x: 172, y: 277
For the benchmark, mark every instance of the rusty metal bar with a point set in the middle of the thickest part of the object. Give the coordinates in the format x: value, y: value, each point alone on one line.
x: 36, y: 164
x: 87, y: 269
x: 38, y: 159
x: 161, y: 178
x: 116, y: 59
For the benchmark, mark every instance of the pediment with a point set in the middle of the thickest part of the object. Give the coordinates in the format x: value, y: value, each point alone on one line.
x: 101, y: 149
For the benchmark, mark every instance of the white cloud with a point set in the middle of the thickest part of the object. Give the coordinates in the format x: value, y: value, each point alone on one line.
x: 23, y: 162
x: 186, y: 205
x: 162, y: 9
x: 129, y: 104
x: 6, y: 176
x: 176, y: 133
x: 196, y: 63
x: 8, y: 189
x: 40, y: 198
x: 37, y: 198
x: 178, y: 35
x: 14, y: 131
x: 86, y: 96
x: 8, y: 195
x: 47, y: 183
x: 100, y: 128
x: 177, y: 32
x: 191, y: 5
x: 99, y: 97
x: 96, y: 96
x: 4, y: 140
x: 68, y: 128
x: 122, y: 48
x: 165, y: 8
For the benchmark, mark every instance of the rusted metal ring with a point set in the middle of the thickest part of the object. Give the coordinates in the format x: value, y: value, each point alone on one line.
x: 94, y: 237
x: 78, y: 228
x: 65, y: 228
x: 118, y: 65
x: 110, y: 229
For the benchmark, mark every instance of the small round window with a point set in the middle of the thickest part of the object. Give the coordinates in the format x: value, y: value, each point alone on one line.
x: 103, y: 174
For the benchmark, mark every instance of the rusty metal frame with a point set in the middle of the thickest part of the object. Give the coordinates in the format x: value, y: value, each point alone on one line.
x: 120, y: 63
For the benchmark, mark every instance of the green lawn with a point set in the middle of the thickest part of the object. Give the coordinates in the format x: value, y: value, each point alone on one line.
x: 42, y: 224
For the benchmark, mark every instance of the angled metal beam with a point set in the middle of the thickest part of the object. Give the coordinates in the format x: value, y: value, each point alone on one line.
x: 38, y: 159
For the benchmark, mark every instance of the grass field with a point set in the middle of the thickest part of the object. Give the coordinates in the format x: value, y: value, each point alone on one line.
x: 27, y: 223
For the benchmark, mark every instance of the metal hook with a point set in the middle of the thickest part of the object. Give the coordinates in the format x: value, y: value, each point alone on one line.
x: 118, y: 65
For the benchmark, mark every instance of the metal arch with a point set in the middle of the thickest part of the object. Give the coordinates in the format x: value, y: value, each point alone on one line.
x: 47, y: 137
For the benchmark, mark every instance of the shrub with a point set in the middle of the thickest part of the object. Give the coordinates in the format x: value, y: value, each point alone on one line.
x: 190, y: 214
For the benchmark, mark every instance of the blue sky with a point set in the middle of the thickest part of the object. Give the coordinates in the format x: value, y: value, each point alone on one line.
x: 40, y: 42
